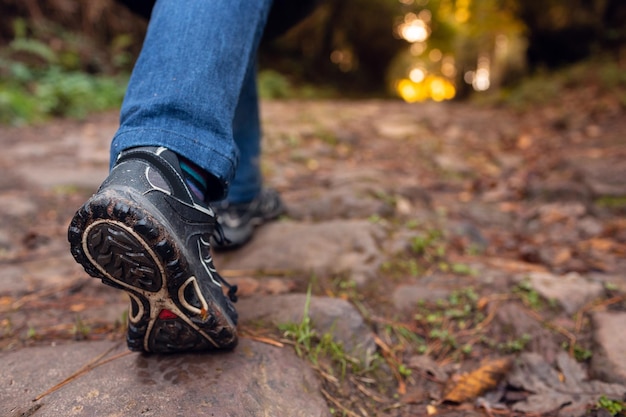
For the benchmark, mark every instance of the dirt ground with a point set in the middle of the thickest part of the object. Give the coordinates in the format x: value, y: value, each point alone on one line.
x: 500, y: 233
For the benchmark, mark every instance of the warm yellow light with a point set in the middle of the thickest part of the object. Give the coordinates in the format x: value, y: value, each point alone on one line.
x: 462, y: 12
x: 461, y: 15
x: 450, y: 91
x: 417, y: 75
x: 435, y: 55
x: 431, y: 87
x: 481, y: 81
x: 417, y: 48
x: 447, y: 66
x: 409, y: 17
x: 425, y: 15
x: 343, y: 58
x: 408, y: 91
x: 437, y: 89
x: 415, y: 31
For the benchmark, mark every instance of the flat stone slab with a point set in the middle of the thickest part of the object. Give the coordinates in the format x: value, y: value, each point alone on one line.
x: 254, y: 380
x: 406, y: 297
x: 609, y: 355
x: 328, y: 315
x: 345, y: 195
x: 572, y: 291
x: 335, y: 247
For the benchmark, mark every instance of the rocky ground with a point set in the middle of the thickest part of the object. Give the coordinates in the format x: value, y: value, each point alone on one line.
x: 437, y: 259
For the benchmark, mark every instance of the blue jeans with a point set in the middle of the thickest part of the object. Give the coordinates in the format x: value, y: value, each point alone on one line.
x: 193, y: 90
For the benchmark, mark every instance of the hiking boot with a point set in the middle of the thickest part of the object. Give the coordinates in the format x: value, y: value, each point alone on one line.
x: 144, y: 233
x: 238, y: 221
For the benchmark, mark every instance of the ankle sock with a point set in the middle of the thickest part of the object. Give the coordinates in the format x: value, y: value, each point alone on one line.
x: 195, y: 177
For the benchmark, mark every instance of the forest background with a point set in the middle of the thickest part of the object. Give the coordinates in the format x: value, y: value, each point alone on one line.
x: 71, y: 57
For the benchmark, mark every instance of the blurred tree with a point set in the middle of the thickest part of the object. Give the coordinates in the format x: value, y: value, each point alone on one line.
x: 90, y: 35
x: 564, y: 31
x: 353, y: 45
x: 347, y: 43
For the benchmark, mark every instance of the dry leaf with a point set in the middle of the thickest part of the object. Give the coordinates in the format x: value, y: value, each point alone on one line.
x: 563, y: 255
x: 524, y: 142
x: 6, y: 301
x: 567, y: 389
x: 469, y: 386
x: 78, y: 307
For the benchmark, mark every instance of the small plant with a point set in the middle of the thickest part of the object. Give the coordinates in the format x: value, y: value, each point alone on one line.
x: 406, y: 337
x: 528, y: 295
x: 80, y: 330
x: 274, y: 85
x: 462, y: 269
x: 614, y: 407
x: 404, y: 370
x: 580, y: 353
x: 450, y: 323
x: 444, y: 336
x: 467, y: 349
x: 412, y: 224
x: 612, y: 202
x: 399, y: 267
x: 314, y: 347
x: 37, y: 82
x: 429, y: 245
x: 346, y: 289
x: 31, y: 333
x: 301, y: 333
x: 375, y: 218
x: 515, y: 345
x: 386, y: 198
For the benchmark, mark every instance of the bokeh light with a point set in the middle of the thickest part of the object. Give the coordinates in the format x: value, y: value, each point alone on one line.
x: 413, y: 29
x: 417, y: 75
x: 432, y: 87
x: 454, y: 46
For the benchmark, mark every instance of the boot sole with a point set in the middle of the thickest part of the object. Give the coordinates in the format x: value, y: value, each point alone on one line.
x: 117, y: 238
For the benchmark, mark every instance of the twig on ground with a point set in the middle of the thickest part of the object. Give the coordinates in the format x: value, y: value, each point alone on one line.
x: 337, y: 404
x: 92, y: 364
x: 593, y: 306
x: 40, y: 294
x: 569, y: 335
x: 249, y: 334
x: 328, y: 377
x: 394, y: 364
x: 368, y: 392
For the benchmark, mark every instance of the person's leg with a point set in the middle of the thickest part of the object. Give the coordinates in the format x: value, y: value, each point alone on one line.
x: 246, y: 184
x: 187, y: 81
x: 146, y: 231
x: 248, y: 203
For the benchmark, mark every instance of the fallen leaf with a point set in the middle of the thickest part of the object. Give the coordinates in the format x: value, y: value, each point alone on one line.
x: 6, y: 301
x: 77, y: 307
x: 524, y: 142
x: 514, y: 266
x: 562, y: 255
x: 567, y: 389
x: 471, y: 385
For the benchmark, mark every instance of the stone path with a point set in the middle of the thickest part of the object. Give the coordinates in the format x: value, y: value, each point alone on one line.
x: 391, y: 207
